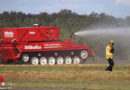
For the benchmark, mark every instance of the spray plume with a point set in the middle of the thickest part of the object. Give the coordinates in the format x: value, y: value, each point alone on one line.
x: 98, y: 38
x: 105, y: 31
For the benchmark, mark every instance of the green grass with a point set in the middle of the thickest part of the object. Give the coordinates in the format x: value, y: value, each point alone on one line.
x: 93, y: 85
x: 90, y: 77
x: 35, y: 68
x: 58, y: 68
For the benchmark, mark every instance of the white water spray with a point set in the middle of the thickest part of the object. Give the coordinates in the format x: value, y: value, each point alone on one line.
x: 98, y: 38
x: 105, y: 31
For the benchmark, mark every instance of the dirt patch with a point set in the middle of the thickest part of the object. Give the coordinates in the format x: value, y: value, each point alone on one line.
x: 82, y: 75
x: 46, y: 89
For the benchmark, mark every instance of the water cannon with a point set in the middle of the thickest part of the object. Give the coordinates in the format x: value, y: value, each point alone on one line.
x: 71, y: 35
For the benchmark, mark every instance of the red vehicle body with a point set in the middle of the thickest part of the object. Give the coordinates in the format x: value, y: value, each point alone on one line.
x: 40, y: 45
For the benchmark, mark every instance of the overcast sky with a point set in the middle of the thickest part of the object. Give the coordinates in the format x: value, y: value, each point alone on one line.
x: 117, y: 8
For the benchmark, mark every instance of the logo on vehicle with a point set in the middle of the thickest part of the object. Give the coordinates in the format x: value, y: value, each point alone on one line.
x: 33, y: 47
x: 31, y: 32
x: 9, y: 34
x: 52, y: 46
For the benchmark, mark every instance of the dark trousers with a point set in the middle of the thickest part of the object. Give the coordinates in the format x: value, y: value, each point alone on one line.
x: 111, y: 64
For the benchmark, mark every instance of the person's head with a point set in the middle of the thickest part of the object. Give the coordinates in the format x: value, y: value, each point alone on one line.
x: 111, y: 42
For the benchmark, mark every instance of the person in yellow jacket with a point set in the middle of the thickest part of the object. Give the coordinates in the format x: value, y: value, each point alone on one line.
x: 109, y: 55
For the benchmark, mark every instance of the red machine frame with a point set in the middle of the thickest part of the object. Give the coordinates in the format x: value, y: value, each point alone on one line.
x: 16, y: 41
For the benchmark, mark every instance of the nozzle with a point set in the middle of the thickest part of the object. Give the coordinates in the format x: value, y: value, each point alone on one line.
x: 71, y: 35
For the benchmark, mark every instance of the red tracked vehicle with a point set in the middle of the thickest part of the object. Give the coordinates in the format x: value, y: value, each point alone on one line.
x: 40, y: 45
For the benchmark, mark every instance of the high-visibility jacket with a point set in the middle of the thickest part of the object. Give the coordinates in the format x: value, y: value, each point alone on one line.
x: 109, y: 54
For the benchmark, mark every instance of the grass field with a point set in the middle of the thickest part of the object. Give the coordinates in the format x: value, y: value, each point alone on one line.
x: 85, y: 76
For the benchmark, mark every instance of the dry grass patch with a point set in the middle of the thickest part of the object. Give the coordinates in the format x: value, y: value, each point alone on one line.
x: 78, y: 75
x: 88, y: 76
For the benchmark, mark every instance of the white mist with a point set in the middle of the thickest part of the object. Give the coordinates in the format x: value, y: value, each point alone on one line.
x: 98, y: 38
x: 104, y: 31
